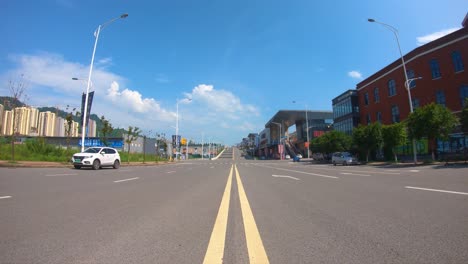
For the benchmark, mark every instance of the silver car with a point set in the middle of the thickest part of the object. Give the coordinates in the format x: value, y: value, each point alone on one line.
x: 96, y: 158
x: 344, y: 158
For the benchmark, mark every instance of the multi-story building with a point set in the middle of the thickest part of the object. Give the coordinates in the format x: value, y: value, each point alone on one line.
x: 22, y: 120
x: 346, y: 112
x: 75, y: 129
x: 440, y: 65
x: 33, y: 121
x: 8, y: 118
x: 60, y: 126
x: 91, y: 128
x: 46, y: 124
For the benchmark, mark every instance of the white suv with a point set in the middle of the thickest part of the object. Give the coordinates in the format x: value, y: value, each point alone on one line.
x: 96, y: 158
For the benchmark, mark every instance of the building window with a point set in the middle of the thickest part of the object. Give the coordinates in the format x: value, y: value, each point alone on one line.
x: 376, y: 95
x: 368, y: 119
x: 435, y: 69
x: 415, y: 102
x: 366, y: 98
x: 391, y: 88
x: 463, y: 94
x: 440, y: 97
x: 410, y: 75
x: 395, y: 114
x: 457, y: 61
x: 379, y: 117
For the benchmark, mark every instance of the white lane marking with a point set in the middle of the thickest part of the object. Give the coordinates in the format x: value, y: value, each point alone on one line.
x: 308, y: 173
x: 170, y: 171
x: 363, y: 171
x: 414, y: 170
x: 5, y: 197
x: 64, y: 174
x: 435, y: 190
x: 131, y: 179
x: 212, y: 167
x: 285, y: 176
x: 349, y: 173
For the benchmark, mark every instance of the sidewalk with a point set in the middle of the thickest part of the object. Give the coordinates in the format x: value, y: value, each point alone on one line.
x: 52, y: 164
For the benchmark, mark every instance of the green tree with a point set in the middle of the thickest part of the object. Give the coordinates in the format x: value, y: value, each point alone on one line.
x: 106, y: 130
x: 368, y: 138
x: 432, y: 121
x: 69, y: 124
x: 394, y: 135
x: 330, y: 142
x: 132, y: 134
x: 464, y: 117
x: 17, y: 90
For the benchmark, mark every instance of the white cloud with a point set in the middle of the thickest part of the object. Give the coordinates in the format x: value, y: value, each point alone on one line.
x: 433, y: 36
x: 355, y: 75
x: 133, y: 101
x: 222, y: 101
x: 219, y: 114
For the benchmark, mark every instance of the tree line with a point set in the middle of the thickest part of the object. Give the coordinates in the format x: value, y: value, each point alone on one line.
x: 432, y: 121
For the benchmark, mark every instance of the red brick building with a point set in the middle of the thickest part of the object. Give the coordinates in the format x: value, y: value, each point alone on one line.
x: 443, y: 66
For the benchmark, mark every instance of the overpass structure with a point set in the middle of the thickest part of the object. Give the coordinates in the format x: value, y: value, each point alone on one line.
x: 275, y: 140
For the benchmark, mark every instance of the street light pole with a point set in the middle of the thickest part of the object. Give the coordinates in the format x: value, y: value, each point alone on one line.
x: 177, y: 125
x: 177, y: 130
x: 96, y: 34
x: 307, y: 131
x: 395, y: 32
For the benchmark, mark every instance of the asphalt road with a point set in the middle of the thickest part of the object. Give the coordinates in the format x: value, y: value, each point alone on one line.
x: 234, y: 210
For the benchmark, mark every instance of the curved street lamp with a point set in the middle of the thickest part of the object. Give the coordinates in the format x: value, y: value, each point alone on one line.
x: 96, y: 35
x: 395, y: 32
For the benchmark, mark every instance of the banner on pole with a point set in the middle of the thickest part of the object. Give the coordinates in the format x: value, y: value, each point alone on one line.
x: 88, y: 109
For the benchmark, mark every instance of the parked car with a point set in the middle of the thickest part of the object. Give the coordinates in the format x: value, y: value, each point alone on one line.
x: 344, y: 158
x: 299, y: 156
x: 288, y: 157
x: 96, y: 158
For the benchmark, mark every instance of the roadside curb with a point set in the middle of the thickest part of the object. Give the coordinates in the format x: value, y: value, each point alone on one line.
x: 47, y: 164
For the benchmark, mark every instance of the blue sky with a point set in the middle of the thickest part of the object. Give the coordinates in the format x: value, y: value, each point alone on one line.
x: 239, y: 61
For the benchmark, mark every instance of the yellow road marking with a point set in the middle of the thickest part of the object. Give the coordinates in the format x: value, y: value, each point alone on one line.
x: 257, y: 253
x: 215, y: 251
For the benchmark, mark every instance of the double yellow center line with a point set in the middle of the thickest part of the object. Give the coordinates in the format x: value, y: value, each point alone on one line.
x: 215, y: 251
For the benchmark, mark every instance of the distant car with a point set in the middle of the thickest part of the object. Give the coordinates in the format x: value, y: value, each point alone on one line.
x: 344, y: 158
x: 96, y: 158
x: 299, y: 156
x: 288, y: 157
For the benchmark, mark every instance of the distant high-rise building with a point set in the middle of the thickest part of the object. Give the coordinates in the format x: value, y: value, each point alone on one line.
x: 34, y: 122
x: 46, y: 124
x: 60, y: 126
x: 75, y: 129
x: 8, y: 123
x: 91, y: 127
x: 22, y: 120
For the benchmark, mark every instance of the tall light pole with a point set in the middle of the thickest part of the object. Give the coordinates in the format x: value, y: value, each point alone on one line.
x: 202, y: 144
x: 177, y: 124
x: 96, y: 35
x: 395, y: 32
x: 307, y: 128
x: 280, y: 128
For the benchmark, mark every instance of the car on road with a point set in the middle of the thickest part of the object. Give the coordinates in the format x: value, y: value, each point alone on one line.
x: 96, y: 158
x: 344, y: 158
